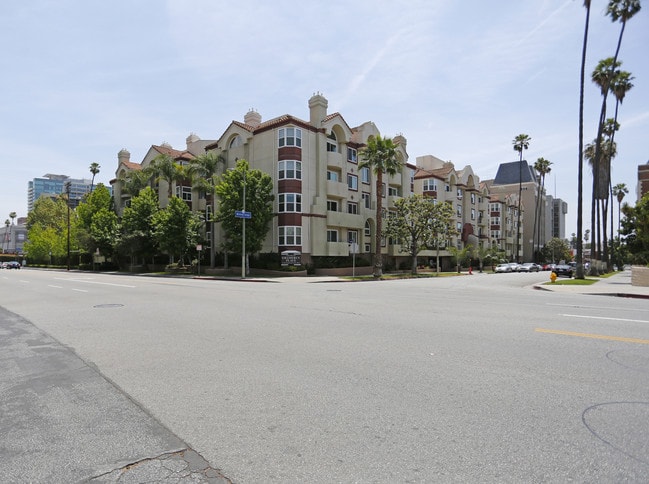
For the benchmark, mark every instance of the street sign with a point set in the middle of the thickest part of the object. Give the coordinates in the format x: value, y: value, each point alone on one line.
x: 242, y: 214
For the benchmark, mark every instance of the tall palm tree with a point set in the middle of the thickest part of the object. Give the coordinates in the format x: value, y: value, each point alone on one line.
x: 520, y: 143
x: 580, y: 166
x: 542, y: 167
x: 619, y: 191
x: 134, y: 181
x: 94, y: 169
x: 164, y: 167
x: 381, y: 155
x: 202, y: 170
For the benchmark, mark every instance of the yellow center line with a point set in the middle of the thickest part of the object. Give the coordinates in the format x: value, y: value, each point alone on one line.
x: 594, y: 336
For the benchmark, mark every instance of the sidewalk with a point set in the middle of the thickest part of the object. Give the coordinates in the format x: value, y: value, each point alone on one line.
x: 62, y: 421
x: 616, y: 285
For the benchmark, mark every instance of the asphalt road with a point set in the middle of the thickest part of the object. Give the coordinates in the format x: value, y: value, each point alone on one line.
x: 463, y: 379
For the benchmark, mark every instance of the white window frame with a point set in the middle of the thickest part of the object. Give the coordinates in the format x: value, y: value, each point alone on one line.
x: 430, y: 185
x: 352, y: 155
x: 284, y: 168
x: 333, y: 176
x: 367, y: 199
x: 184, y: 193
x: 331, y: 204
x: 352, y: 208
x: 289, y: 136
x: 332, y: 235
x: 289, y: 235
x: 289, y: 202
x: 352, y: 182
x: 365, y: 174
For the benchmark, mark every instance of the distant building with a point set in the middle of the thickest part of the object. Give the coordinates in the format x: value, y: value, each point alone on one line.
x: 54, y: 185
x: 13, y: 236
x: 643, y: 180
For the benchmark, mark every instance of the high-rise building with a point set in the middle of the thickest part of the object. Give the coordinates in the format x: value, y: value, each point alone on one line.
x: 54, y: 185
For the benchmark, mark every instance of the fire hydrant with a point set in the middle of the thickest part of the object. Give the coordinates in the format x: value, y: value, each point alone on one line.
x: 553, y: 276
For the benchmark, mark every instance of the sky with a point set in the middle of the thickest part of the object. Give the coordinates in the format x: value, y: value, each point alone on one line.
x: 459, y: 79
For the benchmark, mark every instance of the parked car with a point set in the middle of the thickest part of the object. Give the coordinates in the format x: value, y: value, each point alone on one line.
x: 502, y: 268
x: 563, y: 270
x: 528, y: 267
x: 14, y: 264
x: 3, y: 265
x: 514, y: 266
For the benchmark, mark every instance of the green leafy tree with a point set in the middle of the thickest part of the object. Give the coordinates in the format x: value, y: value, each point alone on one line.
x: 410, y: 224
x: 442, y: 227
x: 97, y: 202
x: 258, y: 201
x: 635, y: 226
x: 556, y: 250
x: 176, y: 229
x: 104, y: 230
x: 461, y: 256
x: 137, y: 237
x: 134, y: 181
x: 382, y: 157
x: 47, y: 230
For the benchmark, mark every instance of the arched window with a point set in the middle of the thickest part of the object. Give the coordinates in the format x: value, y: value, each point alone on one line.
x: 236, y: 141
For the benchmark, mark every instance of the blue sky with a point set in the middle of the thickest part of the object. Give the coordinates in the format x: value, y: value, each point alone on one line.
x: 459, y: 79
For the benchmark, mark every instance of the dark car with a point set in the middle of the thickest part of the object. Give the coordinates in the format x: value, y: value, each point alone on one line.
x: 563, y: 270
x: 13, y: 265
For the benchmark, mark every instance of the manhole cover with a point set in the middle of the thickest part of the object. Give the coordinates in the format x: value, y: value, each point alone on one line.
x: 104, y: 306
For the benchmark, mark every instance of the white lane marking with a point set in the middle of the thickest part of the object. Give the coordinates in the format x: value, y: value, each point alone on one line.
x: 93, y: 282
x: 79, y: 290
x: 579, y: 306
x: 601, y: 317
x: 56, y: 287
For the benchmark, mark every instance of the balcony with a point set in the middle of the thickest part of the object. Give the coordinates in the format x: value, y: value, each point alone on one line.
x: 336, y: 189
x: 335, y: 160
x: 343, y: 219
x: 337, y: 249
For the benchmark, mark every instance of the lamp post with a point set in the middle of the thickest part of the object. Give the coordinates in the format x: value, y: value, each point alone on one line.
x: 67, y: 191
x: 243, y: 232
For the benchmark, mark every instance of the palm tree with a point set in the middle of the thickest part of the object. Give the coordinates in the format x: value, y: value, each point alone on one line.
x: 381, y: 156
x: 619, y: 191
x: 134, y: 181
x: 202, y: 171
x: 94, y: 169
x: 580, y: 167
x: 521, y: 142
x: 164, y: 167
x: 542, y: 167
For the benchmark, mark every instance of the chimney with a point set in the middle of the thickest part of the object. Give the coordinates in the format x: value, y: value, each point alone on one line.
x: 123, y: 156
x: 317, y: 109
x: 252, y: 118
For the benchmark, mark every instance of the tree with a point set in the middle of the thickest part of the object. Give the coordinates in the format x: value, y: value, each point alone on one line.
x: 104, y: 230
x: 176, y: 229
x: 164, y: 167
x: 542, y: 167
x: 461, y: 256
x: 136, y: 236
x: 381, y: 155
x: 619, y: 191
x: 556, y: 250
x: 47, y: 229
x: 520, y: 143
x: 202, y: 170
x: 258, y: 201
x: 635, y: 226
x: 410, y: 224
x: 135, y: 181
x: 97, y: 202
x: 579, y: 274
x: 442, y: 226
x: 94, y: 169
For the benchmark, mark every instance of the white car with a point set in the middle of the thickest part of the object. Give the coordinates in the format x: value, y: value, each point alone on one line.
x: 502, y: 268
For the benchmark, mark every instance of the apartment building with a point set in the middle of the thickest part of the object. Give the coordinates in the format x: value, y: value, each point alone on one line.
x: 642, y: 188
x: 503, y: 223
x: 462, y: 189
x: 325, y: 205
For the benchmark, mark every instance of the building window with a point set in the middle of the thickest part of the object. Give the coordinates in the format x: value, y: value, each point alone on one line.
x: 459, y: 210
x: 184, y: 193
x: 473, y: 198
x: 447, y: 187
x: 290, y: 202
x: 459, y: 226
x: 352, y: 207
x: 393, y: 192
x: 367, y: 200
x: 236, y: 142
x: 459, y: 193
x: 365, y: 174
x: 430, y: 185
x: 352, y: 181
x: 290, y: 235
x: 290, y: 137
x: 352, y: 155
x: 332, y: 205
x: 368, y: 229
x: 332, y: 143
x: 332, y: 236
x: 473, y: 214
x: 333, y: 176
x: 352, y: 236
x: 290, y: 170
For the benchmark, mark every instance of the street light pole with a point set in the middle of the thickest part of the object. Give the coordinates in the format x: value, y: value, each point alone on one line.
x: 243, y: 232
x: 67, y: 191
